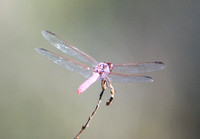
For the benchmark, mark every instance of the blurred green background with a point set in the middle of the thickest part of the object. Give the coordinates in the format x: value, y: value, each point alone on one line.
x: 38, y: 98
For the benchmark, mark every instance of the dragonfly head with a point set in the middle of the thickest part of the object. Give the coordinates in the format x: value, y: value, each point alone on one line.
x: 110, y: 65
x: 103, y: 68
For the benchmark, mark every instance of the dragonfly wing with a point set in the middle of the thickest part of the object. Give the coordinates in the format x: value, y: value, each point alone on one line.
x: 138, y: 67
x: 65, y: 47
x: 66, y: 63
x: 118, y: 77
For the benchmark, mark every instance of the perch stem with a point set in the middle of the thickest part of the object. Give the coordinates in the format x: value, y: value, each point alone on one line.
x: 103, y: 85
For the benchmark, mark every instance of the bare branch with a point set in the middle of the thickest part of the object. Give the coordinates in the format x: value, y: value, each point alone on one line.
x: 103, y: 85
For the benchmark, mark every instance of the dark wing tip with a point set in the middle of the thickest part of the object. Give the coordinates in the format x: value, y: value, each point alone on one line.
x: 45, y: 32
x: 50, y: 32
x: 149, y: 78
x: 158, y: 62
x: 161, y: 64
x: 39, y: 50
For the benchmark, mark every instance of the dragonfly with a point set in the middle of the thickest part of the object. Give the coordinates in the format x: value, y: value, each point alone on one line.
x: 104, y: 71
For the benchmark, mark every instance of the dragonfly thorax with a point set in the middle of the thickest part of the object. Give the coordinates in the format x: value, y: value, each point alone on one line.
x: 103, y: 68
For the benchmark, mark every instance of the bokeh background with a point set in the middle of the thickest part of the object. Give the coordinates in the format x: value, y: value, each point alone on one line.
x: 38, y: 99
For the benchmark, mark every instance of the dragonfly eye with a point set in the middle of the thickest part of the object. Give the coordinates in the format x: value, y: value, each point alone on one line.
x: 110, y: 65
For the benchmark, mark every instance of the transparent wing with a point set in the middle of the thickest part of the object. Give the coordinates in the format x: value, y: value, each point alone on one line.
x: 66, y: 63
x: 138, y: 67
x: 65, y: 47
x: 118, y: 77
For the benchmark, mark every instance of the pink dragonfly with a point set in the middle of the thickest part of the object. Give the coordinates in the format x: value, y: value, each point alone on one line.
x: 104, y: 71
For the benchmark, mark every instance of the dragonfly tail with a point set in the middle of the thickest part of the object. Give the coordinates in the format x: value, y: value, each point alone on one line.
x: 84, y: 86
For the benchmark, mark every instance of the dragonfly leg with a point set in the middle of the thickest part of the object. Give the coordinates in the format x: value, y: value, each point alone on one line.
x: 103, y: 85
x: 109, y: 85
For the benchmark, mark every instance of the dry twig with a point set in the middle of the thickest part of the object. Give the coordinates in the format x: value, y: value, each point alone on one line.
x: 103, y: 84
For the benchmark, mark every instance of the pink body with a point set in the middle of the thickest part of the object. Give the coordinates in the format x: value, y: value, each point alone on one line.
x: 88, y: 82
x: 99, y: 72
